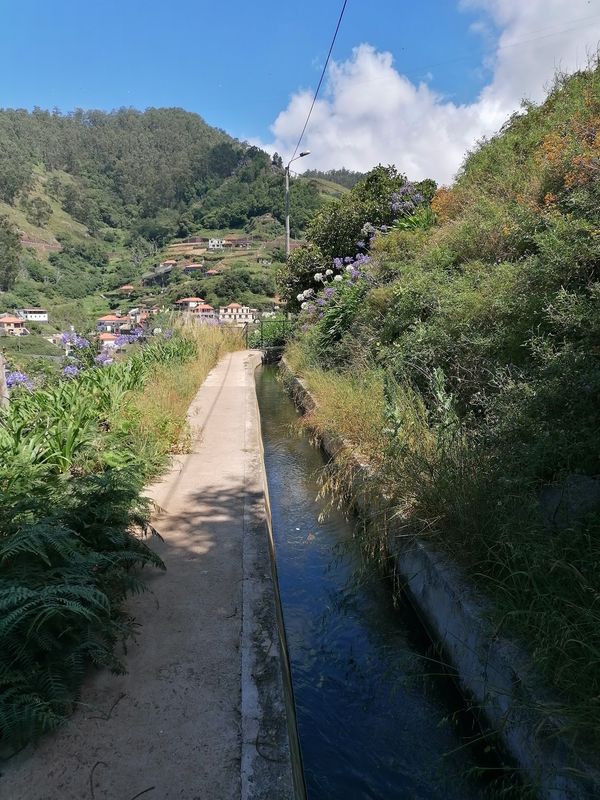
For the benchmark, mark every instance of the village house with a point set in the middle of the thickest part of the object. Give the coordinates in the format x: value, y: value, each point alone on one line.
x: 127, y: 289
x: 193, y: 269
x: 211, y: 272
x: 111, y: 323
x: 237, y: 243
x: 188, y: 303
x: 12, y: 326
x: 32, y: 314
x: 216, y: 244
x: 236, y: 314
x: 108, y: 340
x: 204, y: 313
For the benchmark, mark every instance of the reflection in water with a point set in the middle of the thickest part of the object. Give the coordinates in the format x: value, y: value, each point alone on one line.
x: 371, y: 720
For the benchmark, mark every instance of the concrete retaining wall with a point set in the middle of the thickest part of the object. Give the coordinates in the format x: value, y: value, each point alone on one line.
x: 492, y: 671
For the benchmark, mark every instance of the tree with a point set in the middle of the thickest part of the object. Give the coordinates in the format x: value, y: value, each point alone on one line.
x: 298, y: 273
x: 10, y: 253
x: 37, y: 211
x: 379, y: 199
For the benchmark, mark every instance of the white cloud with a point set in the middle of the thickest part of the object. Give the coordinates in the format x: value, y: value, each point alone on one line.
x: 371, y: 113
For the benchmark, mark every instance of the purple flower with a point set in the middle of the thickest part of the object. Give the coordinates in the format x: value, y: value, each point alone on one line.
x: 329, y: 292
x: 17, y: 378
x: 103, y: 359
x: 168, y: 334
x: 321, y: 302
x: 348, y: 260
x: 338, y: 263
x: 122, y: 339
x: 70, y: 371
x: 361, y: 243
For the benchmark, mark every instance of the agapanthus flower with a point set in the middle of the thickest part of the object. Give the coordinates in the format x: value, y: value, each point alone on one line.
x: 103, y: 359
x: 70, y: 371
x: 318, y: 276
x: 329, y: 292
x: 304, y: 305
x: 337, y: 278
x: 349, y: 268
x: 338, y: 263
x: 121, y: 340
x: 168, y: 334
x: 17, y: 378
x: 300, y: 297
x: 328, y: 272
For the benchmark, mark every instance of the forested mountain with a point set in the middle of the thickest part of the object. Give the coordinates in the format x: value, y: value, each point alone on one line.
x: 159, y: 172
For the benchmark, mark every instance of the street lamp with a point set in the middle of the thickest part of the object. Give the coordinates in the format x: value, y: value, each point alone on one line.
x: 287, y: 202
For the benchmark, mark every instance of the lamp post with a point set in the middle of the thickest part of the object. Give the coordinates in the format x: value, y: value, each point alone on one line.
x: 287, y: 202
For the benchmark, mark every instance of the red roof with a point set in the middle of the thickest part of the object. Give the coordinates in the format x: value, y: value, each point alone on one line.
x: 191, y: 300
x: 212, y: 271
x: 10, y: 320
x: 107, y: 337
x: 233, y: 305
x: 126, y: 286
x: 170, y: 261
x: 204, y: 307
x: 111, y: 318
x: 193, y: 266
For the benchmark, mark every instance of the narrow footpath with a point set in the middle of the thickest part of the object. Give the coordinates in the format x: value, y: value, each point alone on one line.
x: 200, y: 714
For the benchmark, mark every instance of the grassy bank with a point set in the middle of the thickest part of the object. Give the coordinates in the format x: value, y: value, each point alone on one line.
x: 459, y: 353
x: 76, y: 454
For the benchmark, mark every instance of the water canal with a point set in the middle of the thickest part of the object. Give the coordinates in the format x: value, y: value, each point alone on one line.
x: 375, y: 720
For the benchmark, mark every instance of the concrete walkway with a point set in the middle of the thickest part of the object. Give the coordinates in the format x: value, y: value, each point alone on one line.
x: 200, y: 714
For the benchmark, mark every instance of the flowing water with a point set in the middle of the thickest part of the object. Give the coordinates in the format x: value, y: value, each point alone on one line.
x: 375, y: 718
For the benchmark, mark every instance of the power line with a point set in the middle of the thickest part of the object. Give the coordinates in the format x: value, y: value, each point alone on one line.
x: 337, y: 27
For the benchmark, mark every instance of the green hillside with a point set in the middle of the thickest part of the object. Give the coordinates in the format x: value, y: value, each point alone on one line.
x: 459, y: 353
x: 97, y: 199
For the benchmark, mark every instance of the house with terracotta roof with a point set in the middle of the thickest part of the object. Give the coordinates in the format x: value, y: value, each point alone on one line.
x: 204, y: 313
x: 235, y: 314
x: 127, y: 288
x: 12, y: 326
x: 107, y: 340
x: 188, y: 303
x: 111, y: 323
x: 211, y: 272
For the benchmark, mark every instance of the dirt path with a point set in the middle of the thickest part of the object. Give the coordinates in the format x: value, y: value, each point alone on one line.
x: 200, y: 715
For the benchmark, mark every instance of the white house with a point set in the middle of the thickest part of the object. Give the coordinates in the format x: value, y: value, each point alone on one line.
x: 235, y: 314
x: 216, y: 244
x: 32, y: 314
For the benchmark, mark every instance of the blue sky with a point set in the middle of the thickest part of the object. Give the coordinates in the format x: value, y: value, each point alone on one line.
x: 233, y: 62
x: 412, y: 83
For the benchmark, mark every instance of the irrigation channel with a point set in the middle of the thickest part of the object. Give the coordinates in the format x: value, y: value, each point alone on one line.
x: 376, y: 720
